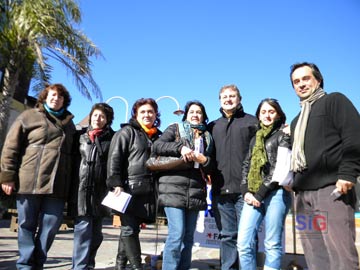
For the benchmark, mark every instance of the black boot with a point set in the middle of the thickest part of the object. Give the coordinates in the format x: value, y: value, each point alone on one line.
x: 121, y: 258
x: 133, y: 251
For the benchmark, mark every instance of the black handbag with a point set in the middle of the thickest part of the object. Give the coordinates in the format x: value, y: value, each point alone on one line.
x: 141, y: 186
x: 166, y: 163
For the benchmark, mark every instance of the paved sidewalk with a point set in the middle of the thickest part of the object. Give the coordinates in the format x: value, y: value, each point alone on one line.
x: 152, y: 241
x: 59, y: 256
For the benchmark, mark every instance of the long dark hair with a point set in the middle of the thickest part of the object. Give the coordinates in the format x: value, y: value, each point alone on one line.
x: 275, y: 104
x: 152, y: 103
x: 202, y: 107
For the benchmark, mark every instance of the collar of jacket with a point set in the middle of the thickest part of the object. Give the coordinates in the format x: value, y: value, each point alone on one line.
x: 135, y: 124
x: 239, y: 112
x: 277, y: 125
x: 132, y: 122
x: 62, y: 121
x: 106, y: 132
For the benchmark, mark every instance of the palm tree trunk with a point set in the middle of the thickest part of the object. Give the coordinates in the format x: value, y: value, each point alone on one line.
x: 11, y: 79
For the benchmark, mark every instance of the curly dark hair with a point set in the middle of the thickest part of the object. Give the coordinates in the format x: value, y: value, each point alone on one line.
x: 106, y: 109
x: 61, y: 90
x: 142, y: 101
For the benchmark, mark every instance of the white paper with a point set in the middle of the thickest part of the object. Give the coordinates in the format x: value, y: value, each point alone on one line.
x: 199, y: 146
x: 118, y: 203
x: 282, y: 173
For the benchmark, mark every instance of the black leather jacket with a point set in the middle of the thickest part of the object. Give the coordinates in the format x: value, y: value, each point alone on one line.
x: 129, y: 150
x: 275, y: 139
x: 92, y: 187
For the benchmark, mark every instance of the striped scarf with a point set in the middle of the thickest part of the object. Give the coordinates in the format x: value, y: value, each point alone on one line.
x: 298, y: 159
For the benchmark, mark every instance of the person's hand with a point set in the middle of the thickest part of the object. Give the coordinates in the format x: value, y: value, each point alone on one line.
x: 8, y: 188
x: 118, y: 190
x: 288, y: 188
x: 187, y: 154
x: 200, y: 158
x: 286, y: 129
x: 343, y: 186
x: 250, y: 199
x: 256, y: 203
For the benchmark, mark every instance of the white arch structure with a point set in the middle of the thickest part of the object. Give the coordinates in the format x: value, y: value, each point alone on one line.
x: 126, y: 105
x: 178, y: 111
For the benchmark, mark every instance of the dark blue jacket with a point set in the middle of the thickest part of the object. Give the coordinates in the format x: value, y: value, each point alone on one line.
x: 232, y: 138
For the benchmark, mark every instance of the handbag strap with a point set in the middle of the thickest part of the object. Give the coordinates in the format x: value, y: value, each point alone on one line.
x: 181, y: 130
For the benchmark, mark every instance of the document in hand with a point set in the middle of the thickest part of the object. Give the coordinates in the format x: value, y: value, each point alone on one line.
x: 118, y: 203
x: 282, y: 173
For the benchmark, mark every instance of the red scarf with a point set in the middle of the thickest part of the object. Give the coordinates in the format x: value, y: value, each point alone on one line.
x: 94, y: 133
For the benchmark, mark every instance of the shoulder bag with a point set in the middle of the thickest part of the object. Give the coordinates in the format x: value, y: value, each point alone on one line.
x: 165, y: 163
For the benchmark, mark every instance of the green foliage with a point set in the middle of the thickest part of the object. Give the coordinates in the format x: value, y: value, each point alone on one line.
x: 33, y: 32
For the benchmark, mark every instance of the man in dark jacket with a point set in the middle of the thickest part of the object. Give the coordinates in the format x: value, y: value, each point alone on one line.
x: 231, y: 133
x: 326, y: 162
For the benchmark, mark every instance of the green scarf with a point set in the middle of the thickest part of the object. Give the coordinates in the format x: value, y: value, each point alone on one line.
x: 258, y: 158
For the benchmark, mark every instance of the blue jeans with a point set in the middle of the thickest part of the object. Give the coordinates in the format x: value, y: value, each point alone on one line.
x: 87, y: 240
x: 273, y: 211
x: 180, y: 239
x: 229, y: 209
x: 44, y: 213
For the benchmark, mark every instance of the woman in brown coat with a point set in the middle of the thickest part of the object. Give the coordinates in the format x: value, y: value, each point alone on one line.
x: 36, y: 162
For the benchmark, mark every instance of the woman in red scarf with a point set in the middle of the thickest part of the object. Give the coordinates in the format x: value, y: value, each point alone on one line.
x: 94, y: 146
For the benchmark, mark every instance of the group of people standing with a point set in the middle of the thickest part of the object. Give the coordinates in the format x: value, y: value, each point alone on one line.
x: 49, y: 163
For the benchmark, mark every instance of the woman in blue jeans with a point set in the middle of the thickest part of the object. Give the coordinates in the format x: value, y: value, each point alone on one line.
x: 94, y: 144
x: 182, y: 191
x: 264, y: 199
x: 36, y: 162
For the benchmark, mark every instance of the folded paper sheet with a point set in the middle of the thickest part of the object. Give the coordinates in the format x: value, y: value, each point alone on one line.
x: 282, y: 173
x: 118, y: 203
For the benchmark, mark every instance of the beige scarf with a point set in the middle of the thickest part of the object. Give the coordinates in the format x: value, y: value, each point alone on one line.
x: 298, y: 160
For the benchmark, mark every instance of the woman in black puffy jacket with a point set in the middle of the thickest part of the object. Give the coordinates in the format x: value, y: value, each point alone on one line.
x: 94, y: 146
x: 182, y: 192
x: 129, y: 150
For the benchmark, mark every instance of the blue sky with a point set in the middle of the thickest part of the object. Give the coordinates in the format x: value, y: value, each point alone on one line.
x: 189, y: 49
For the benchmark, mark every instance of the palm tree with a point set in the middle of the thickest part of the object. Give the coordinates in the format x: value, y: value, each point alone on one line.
x: 31, y: 33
